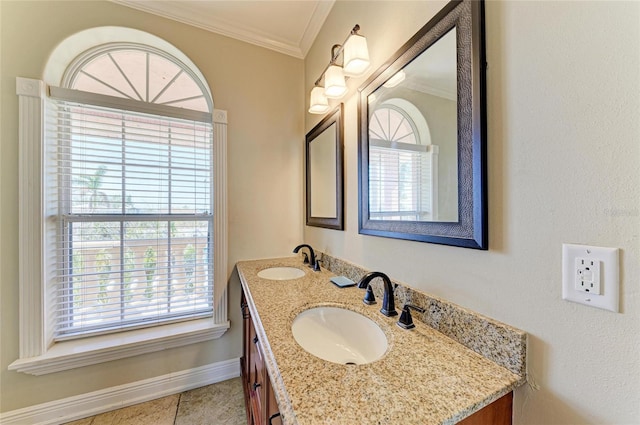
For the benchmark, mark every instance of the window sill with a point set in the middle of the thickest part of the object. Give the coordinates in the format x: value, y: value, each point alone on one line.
x: 84, y: 352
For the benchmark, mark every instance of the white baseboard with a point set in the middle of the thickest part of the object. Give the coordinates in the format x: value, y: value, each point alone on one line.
x: 82, y: 406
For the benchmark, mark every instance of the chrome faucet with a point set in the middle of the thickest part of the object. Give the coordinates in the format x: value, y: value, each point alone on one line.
x: 313, y: 263
x: 388, y: 302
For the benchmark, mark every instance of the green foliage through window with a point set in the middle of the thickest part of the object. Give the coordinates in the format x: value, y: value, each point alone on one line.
x: 150, y: 264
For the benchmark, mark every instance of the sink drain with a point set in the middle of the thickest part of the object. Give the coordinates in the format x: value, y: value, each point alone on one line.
x: 351, y: 363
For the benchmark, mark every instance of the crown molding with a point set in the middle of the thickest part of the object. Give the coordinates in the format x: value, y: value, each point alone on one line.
x: 323, y: 7
x: 219, y: 25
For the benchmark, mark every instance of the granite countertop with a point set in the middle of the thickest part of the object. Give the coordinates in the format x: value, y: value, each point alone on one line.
x: 424, y: 377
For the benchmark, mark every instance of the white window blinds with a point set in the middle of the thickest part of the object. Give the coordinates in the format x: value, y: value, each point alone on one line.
x: 399, y: 183
x: 132, y: 195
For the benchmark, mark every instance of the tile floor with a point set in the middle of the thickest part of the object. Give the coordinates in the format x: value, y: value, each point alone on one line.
x: 219, y: 404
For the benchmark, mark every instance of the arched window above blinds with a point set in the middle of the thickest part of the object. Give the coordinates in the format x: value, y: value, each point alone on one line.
x: 138, y: 73
x: 390, y: 124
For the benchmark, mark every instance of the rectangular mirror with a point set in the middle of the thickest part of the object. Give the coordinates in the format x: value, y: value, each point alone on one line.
x: 422, y: 142
x: 324, y: 172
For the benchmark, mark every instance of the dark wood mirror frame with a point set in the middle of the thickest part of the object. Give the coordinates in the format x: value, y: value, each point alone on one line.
x: 334, y: 117
x: 471, y: 229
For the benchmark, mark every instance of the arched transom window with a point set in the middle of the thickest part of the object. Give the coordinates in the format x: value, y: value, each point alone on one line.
x: 138, y: 73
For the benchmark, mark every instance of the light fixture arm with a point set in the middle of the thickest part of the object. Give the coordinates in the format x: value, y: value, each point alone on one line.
x: 336, y: 49
x: 334, y: 54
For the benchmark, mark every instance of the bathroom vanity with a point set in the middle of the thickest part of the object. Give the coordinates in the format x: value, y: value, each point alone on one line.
x: 261, y: 404
x: 423, y: 377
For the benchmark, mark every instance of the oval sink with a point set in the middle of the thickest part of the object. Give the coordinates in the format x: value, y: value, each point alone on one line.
x: 281, y: 273
x: 339, y: 335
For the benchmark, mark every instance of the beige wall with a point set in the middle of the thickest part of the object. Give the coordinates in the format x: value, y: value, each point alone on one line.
x: 563, y: 108
x: 262, y: 92
x: 563, y: 146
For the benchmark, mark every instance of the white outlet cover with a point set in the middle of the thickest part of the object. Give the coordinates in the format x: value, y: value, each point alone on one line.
x: 609, y: 278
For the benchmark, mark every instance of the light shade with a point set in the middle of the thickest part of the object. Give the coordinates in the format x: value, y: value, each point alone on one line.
x: 318, y: 103
x: 356, y: 56
x: 334, y: 84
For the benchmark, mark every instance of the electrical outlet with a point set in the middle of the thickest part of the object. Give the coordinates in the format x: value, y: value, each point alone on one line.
x: 590, y: 276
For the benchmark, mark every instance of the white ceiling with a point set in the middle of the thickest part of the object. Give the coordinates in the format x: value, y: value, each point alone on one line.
x: 286, y: 26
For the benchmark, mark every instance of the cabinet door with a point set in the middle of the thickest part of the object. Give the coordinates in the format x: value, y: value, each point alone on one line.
x: 497, y: 413
x: 261, y: 404
x: 273, y: 412
x: 256, y: 378
x: 245, y: 362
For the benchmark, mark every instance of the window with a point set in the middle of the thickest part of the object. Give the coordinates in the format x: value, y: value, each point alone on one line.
x: 134, y: 223
x: 401, y: 169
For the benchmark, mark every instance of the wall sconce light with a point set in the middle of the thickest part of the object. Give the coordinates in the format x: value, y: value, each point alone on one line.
x: 334, y: 84
x: 356, y: 54
x: 319, y: 103
x: 355, y: 62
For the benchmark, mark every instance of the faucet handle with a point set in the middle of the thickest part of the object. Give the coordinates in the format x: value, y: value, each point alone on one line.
x: 305, y: 258
x: 406, y: 321
x: 369, y: 298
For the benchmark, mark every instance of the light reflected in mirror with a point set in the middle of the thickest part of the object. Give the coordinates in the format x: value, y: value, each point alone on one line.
x: 413, y: 159
x: 324, y: 172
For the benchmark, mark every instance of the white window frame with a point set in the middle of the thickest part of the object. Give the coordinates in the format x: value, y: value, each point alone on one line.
x: 38, y: 353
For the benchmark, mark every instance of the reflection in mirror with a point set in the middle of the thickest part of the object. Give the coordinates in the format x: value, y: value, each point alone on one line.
x: 413, y: 139
x: 422, y: 135
x: 324, y: 171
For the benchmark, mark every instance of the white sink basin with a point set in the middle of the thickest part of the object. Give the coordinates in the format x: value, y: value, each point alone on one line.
x: 281, y: 273
x: 339, y: 335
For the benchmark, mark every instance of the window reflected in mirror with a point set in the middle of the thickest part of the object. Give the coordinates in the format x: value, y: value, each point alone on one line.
x: 413, y: 139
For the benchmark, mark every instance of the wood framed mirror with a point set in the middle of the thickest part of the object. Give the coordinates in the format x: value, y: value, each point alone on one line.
x: 324, y: 172
x: 422, y: 135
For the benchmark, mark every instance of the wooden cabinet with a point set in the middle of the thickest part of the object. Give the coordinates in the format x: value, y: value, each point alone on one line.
x: 500, y: 412
x: 260, y: 401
